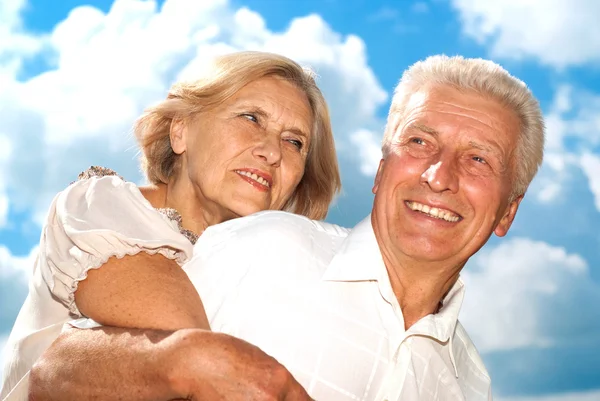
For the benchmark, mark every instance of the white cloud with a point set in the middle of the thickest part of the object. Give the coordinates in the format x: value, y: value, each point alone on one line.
x: 590, y: 165
x: 558, y: 33
x: 572, y: 129
x: 110, y: 66
x: 369, y: 148
x: 16, y: 43
x: 16, y: 268
x: 526, y: 293
x: 554, y: 176
x: 3, y: 210
x: 578, y: 396
x: 5, y: 151
x: 574, y: 116
x: 15, y: 272
x: 3, y: 340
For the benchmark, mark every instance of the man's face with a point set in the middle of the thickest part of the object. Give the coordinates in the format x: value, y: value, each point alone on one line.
x: 445, y: 185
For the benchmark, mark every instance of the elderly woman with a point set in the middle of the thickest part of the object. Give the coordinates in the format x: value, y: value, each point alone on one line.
x: 252, y: 134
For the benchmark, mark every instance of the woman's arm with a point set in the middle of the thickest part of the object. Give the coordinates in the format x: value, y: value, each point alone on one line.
x: 90, y: 229
x: 109, y: 255
x: 141, y: 291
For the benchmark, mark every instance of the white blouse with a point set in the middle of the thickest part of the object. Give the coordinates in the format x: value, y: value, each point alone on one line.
x: 95, y: 218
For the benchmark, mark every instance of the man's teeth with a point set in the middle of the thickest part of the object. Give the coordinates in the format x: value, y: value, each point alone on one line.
x: 255, y: 177
x: 433, y: 211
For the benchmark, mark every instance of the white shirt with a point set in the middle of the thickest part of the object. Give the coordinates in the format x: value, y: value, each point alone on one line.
x: 317, y: 297
x: 306, y: 292
x: 87, y: 223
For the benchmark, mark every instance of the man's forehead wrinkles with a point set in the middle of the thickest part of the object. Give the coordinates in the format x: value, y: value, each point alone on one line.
x: 484, y: 144
x: 464, y: 112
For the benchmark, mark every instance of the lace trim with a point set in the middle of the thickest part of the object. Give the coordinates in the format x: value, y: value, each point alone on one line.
x: 174, y: 215
x: 96, y: 171
x: 171, y: 214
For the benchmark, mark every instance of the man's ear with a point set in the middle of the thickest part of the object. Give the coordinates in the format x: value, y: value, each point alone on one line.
x: 378, y: 176
x: 508, y: 218
x: 177, y: 135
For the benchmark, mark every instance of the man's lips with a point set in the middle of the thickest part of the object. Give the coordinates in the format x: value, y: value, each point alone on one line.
x: 436, y: 212
x: 256, y: 177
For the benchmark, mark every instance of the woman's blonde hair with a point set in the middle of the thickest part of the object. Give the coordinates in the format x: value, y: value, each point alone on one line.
x: 227, y: 75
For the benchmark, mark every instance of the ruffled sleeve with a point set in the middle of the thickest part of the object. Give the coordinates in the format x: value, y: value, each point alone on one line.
x: 97, y: 218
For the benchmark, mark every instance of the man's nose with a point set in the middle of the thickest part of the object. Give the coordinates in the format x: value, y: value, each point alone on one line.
x: 441, y: 176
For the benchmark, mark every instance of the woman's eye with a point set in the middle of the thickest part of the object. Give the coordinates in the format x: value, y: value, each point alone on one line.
x: 297, y: 143
x: 250, y: 117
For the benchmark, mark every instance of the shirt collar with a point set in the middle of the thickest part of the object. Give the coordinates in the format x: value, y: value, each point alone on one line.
x: 359, y: 259
x: 442, y: 325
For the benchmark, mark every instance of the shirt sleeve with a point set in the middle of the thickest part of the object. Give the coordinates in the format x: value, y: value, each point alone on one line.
x: 98, y: 218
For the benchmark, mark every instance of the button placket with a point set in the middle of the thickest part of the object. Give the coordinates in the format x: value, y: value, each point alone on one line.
x: 393, y: 383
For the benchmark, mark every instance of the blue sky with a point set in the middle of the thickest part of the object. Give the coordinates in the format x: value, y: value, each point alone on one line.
x: 74, y: 78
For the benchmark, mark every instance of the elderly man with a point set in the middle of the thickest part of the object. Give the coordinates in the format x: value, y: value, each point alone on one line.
x: 369, y: 313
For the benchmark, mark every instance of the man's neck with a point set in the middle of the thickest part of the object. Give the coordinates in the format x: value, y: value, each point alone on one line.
x: 419, y: 285
x: 420, y: 288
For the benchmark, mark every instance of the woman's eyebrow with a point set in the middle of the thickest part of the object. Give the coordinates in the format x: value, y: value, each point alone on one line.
x: 264, y: 114
x: 298, y: 132
x: 249, y: 107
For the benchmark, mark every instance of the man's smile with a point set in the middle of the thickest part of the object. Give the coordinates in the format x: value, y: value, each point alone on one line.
x: 436, y: 212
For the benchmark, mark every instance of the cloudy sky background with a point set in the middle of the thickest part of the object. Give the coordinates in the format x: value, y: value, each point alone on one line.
x: 74, y: 77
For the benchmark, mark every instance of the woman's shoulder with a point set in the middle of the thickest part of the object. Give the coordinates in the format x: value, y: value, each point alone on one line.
x: 100, y: 191
x: 101, y: 185
x: 110, y: 187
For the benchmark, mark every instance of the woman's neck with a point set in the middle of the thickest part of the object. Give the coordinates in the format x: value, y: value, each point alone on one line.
x: 195, y: 215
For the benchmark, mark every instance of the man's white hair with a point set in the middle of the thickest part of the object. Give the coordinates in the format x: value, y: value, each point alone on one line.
x: 487, y: 79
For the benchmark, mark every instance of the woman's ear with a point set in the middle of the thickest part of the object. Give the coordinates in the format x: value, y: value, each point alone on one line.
x: 178, y: 134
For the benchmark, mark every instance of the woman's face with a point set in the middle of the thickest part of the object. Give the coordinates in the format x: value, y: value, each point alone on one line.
x: 248, y: 154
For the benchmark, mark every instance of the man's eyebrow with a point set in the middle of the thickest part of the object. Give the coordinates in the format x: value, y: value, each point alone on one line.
x: 492, y: 149
x: 481, y: 146
x: 424, y: 128
x: 486, y: 148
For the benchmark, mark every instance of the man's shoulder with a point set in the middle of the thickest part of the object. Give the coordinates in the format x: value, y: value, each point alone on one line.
x: 272, y: 219
x: 467, y: 358
x: 274, y: 227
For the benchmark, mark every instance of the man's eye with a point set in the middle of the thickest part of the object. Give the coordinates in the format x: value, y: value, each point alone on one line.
x: 418, y: 141
x: 250, y: 117
x: 297, y: 143
x: 479, y: 159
